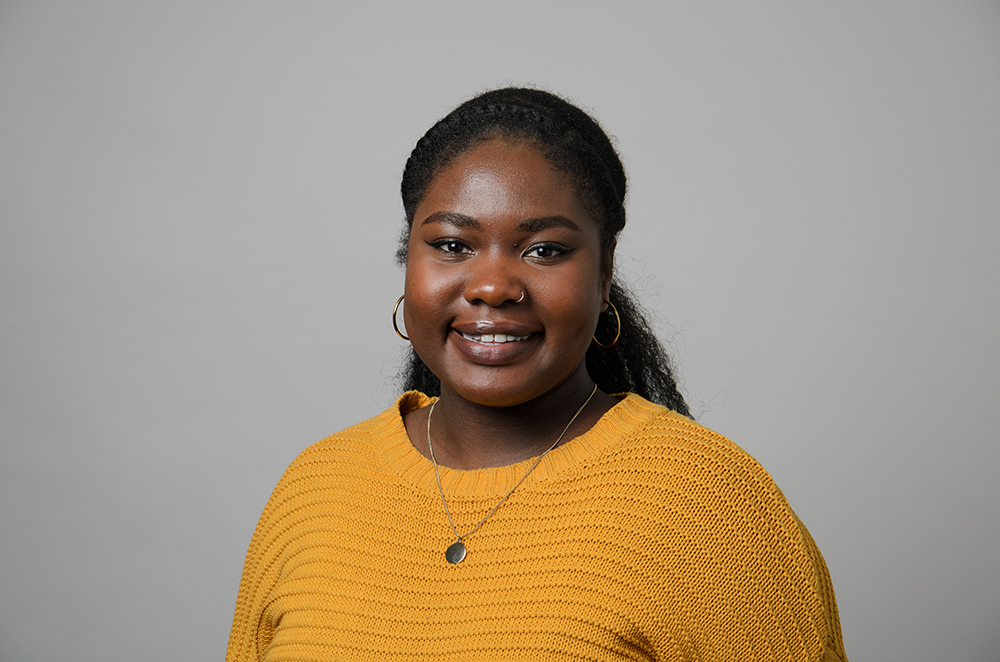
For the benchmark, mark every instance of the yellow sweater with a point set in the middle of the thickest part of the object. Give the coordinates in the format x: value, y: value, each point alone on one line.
x: 647, y: 538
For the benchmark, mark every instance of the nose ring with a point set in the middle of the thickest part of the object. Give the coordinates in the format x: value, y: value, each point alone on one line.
x: 522, y: 297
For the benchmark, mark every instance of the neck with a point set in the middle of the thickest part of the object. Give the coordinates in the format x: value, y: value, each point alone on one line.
x: 468, y: 435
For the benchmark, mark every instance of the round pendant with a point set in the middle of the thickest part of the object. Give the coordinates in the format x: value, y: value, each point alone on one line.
x: 456, y: 552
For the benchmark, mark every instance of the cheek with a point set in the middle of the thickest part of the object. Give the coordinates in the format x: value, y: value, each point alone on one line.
x: 427, y: 296
x: 576, y: 303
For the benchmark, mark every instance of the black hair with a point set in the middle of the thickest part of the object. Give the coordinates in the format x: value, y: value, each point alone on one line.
x: 575, y: 144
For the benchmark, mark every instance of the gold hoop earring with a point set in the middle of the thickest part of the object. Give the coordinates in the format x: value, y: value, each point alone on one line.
x: 617, y: 333
x: 394, y: 326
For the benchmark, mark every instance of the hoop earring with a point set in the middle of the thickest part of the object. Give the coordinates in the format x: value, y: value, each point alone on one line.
x: 394, y: 326
x: 617, y: 333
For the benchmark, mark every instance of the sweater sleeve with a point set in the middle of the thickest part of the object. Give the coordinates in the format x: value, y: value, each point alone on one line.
x: 250, y: 636
x: 834, y: 646
x: 253, y: 628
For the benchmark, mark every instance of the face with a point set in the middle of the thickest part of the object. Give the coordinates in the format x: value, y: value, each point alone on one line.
x: 500, y: 222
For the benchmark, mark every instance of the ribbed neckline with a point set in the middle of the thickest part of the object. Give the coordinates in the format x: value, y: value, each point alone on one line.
x: 393, y: 444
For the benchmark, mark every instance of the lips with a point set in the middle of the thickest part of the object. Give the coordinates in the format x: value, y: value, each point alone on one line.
x: 493, y: 343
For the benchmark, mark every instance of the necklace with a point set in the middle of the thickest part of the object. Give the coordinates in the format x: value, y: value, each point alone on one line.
x: 456, y: 551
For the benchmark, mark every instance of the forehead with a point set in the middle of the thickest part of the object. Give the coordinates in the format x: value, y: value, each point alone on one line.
x: 503, y: 177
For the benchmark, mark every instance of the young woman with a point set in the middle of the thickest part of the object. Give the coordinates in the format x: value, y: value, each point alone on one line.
x: 540, y: 492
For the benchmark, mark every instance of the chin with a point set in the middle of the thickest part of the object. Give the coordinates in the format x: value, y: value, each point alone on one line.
x: 493, y: 395
x: 496, y: 387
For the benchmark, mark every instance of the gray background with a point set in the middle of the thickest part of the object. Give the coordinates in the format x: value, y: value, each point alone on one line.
x: 199, y: 208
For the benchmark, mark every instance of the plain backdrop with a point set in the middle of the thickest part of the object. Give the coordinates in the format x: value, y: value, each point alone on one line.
x: 199, y: 208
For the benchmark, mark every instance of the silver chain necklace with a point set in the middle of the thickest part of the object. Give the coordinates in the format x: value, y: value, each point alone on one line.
x: 456, y: 551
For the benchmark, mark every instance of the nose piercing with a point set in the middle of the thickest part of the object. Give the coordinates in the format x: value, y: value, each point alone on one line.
x: 522, y: 297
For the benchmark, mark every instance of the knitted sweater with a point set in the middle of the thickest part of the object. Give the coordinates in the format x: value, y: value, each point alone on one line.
x: 648, y: 537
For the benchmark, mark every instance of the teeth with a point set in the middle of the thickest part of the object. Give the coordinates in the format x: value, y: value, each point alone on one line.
x: 494, y: 338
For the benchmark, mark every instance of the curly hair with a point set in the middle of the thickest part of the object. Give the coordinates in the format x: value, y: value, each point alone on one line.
x: 574, y: 143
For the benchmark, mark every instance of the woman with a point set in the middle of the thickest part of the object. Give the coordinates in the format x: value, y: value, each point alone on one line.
x: 528, y: 512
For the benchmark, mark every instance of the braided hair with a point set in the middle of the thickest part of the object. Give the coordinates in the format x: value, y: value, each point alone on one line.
x: 574, y: 143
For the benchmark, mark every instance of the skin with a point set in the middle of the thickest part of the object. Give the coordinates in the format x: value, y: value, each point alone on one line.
x: 497, y: 222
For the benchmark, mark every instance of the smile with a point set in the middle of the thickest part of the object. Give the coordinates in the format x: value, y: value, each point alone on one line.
x: 493, y: 338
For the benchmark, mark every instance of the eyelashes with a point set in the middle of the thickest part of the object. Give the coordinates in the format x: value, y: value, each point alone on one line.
x: 547, y: 251
x: 452, y: 246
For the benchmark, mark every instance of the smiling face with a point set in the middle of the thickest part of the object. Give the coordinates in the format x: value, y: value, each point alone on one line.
x: 497, y: 223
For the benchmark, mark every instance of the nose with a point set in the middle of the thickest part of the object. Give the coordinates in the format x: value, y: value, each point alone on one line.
x: 493, y: 281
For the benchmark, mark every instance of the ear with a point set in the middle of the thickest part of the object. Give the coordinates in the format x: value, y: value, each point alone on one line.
x: 607, y: 272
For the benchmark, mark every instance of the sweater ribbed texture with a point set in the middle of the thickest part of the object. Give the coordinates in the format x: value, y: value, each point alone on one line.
x: 648, y: 537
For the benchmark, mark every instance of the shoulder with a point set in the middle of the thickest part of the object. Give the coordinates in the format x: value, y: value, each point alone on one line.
x: 349, y: 462
x: 360, y: 445
x: 326, y: 491
x: 723, y: 525
x: 697, y: 475
x: 679, y: 446
x: 354, y: 459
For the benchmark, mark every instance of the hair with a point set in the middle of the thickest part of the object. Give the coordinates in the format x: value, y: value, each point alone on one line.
x: 574, y: 143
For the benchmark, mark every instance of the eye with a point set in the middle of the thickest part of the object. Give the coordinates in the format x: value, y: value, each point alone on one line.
x: 546, y: 251
x: 452, y: 246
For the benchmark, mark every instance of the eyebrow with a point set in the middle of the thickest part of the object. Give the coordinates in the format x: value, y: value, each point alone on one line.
x: 451, y: 218
x: 527, y: 225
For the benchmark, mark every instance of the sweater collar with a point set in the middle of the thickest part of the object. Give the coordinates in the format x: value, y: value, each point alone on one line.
x: 393, y: 445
